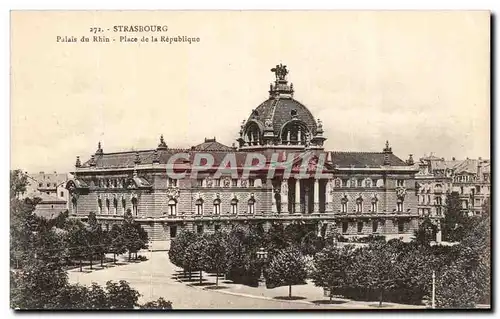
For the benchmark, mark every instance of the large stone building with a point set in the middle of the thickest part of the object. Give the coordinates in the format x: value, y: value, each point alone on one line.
x: 364, y: 193
x: 437, y: 177
x: 50, y: 189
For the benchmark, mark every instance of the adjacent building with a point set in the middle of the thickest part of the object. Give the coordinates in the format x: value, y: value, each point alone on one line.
x: 51, y: 189
x: 365, y: 192
x: 437, y: 177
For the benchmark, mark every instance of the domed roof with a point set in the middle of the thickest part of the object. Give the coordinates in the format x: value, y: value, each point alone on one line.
x: 278, y: 111
x: 281, y: 120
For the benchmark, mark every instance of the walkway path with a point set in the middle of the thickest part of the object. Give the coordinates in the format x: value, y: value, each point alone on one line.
x: 156, y: 278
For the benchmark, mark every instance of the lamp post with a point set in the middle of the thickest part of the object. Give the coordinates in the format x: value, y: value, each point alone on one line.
x: 433, y: 289
x: 262, y: 257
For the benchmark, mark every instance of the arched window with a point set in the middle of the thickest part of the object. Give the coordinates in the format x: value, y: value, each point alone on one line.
x: 234, y: 206
x: 253, y: 134
x: 134, y: 206
x: 73, y: 201
x: 400, y: 205
x: 294, y: 133
x: 251, y: 206
x: 115, y: 205
x: 107, y: 206
x: 99, y: 206
x: 343, y: 205
x: 359, y: 205
x: 199, y: 206
x: 172, y: 207
x: 217, y: 206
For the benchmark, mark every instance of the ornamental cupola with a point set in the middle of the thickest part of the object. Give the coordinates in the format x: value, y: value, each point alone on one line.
x: 78, y: 163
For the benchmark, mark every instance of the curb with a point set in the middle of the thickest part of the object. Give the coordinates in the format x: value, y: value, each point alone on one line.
x: 250, y: 296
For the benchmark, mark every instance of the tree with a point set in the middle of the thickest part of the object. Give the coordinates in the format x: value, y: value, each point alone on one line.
x: 18, y: 183
x: 143, y: 241
x: 194, y: 257
x: 425, y: 233
x: 158, y: 304
x: 287, y: 268
x: 78, y: 241
x: 177, y: 250
x: 374, y: 267
x: 95, y: 238
x: 121, y: 295
x: 215, y: 254
x: 454, y: 219
x: 331, y: 267
x: 130, y: 234
x: 116, y: 241
x: 37, y: 284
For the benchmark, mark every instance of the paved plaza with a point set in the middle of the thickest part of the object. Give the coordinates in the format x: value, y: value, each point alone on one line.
x: 157, y: 277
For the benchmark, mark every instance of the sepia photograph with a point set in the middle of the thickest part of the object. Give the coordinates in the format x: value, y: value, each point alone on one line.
x: 250, y: 160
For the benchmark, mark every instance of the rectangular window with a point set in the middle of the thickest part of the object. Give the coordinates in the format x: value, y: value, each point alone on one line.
x: 199, y: 182
x: 360, y: 182
x: 345, y: 227
x: 400, y: 182
x: 217, y: 227
x: 478, y: 189
x: 62, y: 194
x: 344, y: 208
x: 375, y: 226
x: 359, y: 207
x: 400, y: 206
x: 234, y: 182
x: 173, y: 231
x: 217, y: 182
x: 375, y: 181
x: 251, y: 208
x: 401, y: 226
x: 199, y: 229
x: 251, y: 182
x: 173, y: 182
x: 360, y: 227
x: 344, y: 183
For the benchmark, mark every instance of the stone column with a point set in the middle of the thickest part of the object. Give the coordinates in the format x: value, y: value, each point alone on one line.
x: 273, y: 190
x: 284, y: 196
x: 438, y: 233
x: 329, y: 196
x: 297, y: 196
x: 316, y: 196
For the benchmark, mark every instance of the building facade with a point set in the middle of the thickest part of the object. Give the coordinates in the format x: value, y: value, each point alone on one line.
x: 51, y: 184
x: 437, y: 177
x: 364, y: 192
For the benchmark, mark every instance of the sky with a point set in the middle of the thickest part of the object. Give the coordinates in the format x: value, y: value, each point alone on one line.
x: 417, y: 79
